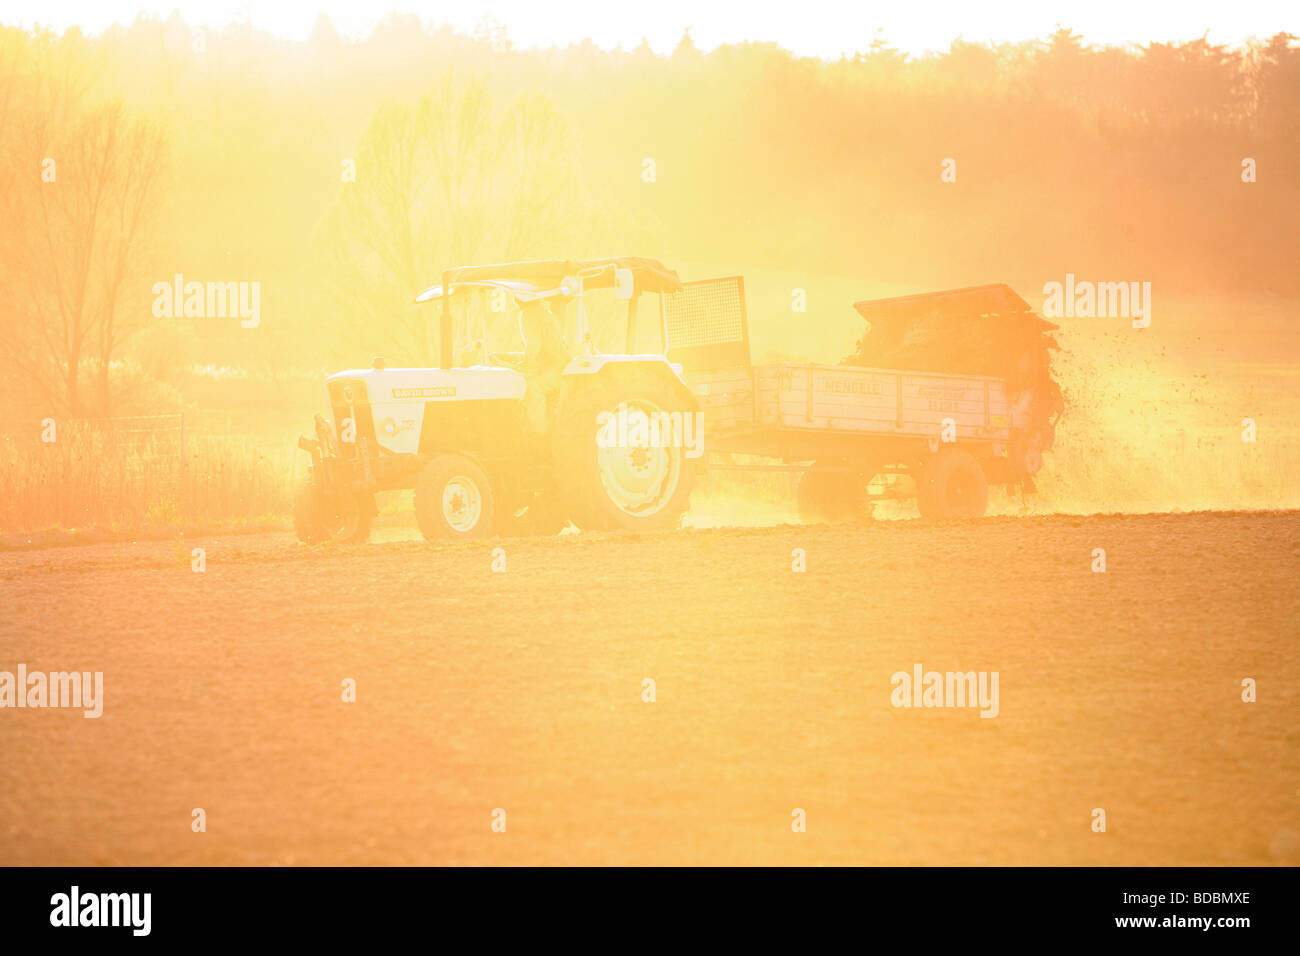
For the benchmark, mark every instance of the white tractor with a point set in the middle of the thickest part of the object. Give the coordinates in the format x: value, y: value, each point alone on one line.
x: 520, y: 443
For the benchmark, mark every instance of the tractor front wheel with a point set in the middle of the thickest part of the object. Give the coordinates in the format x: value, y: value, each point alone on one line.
x: 454, y: 500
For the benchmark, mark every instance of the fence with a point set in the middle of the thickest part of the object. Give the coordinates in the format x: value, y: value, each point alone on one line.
x: 150, y: 433
x: 142, y: 471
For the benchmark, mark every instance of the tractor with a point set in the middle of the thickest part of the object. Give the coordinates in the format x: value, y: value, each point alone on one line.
x: 515, y: 443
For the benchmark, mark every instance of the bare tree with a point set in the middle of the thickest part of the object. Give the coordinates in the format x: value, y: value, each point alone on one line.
x: 445, y: 180
x: 76, y: 182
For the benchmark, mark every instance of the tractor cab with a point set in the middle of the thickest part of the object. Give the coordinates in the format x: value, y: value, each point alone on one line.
x: 559, y: 284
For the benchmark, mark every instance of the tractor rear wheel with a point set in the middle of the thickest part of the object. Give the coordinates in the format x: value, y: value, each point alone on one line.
x: 952, y: 484
x: 616, y: 484
x: 454, y: 500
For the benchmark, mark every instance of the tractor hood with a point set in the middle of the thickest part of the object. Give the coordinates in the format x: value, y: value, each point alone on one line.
x: 389, y: 406
x: 420, y: 385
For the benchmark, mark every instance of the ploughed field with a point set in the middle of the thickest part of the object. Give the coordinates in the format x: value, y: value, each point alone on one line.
x: 523, y: 690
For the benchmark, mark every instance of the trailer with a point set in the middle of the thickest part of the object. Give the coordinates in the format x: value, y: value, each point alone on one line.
x: 857, y: 434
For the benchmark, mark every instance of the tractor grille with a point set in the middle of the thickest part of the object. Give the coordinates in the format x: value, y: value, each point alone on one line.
x: 340, y: 391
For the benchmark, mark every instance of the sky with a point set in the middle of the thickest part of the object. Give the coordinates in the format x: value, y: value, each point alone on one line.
x: 824, y: 28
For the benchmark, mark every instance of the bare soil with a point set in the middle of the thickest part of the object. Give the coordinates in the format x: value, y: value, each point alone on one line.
x: 522, y: 690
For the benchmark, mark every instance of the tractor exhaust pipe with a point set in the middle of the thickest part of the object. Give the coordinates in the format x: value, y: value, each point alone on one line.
x: 445, y: 343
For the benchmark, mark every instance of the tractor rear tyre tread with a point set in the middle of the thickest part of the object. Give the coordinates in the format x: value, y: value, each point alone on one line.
x: 579, y: 466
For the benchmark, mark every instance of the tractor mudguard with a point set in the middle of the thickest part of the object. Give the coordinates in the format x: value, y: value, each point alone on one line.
x: 612, y: 364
